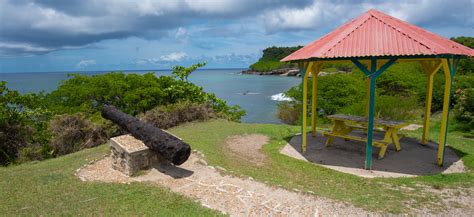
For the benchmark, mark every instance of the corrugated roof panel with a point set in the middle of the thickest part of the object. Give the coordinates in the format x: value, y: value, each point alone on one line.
x: 377, y: 34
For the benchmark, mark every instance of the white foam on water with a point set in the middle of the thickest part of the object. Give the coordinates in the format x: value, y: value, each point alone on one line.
x: 281, y: 97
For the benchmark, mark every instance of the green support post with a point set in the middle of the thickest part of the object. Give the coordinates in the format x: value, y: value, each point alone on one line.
x: 373, y: 73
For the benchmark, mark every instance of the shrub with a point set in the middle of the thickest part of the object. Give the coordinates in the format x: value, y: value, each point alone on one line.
x: 21, y: 125
x: 31, y: 153
x: 72, y: 133
x: 131, y: 93
x: 288, y: 112
x: 168, y: 116
x: 464, y: 109
x: 402, y: 79
x: 334, y: 92
x: 387, y: 107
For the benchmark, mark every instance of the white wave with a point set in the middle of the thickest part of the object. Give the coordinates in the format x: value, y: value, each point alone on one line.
x: 281, y: 97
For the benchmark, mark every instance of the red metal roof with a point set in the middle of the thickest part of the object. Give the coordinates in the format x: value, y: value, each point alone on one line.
x: 377, y: 34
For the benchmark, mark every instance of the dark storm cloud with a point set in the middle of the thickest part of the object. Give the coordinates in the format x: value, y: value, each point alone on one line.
x: 55, y: 24
x: 41, y: 26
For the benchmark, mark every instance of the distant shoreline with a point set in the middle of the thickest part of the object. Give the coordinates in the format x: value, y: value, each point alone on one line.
x: 292, y: 72
x: 118, y: 70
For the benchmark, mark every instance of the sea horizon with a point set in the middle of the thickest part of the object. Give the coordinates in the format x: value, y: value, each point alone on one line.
x: 117, y: 70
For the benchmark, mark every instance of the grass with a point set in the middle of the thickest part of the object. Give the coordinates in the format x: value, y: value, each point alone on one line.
x: 49, y: 188
x: 380, y: 194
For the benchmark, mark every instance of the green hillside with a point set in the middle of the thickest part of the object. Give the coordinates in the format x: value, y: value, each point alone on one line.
x: 271, y: 57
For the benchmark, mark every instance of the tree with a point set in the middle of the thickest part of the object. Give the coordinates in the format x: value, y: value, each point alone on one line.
x: 182, y: 72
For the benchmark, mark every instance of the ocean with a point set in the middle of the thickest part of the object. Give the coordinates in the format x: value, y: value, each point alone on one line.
x: 258, y: 95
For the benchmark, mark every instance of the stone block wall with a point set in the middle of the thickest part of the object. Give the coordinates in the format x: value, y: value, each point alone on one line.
x: 130, y: 155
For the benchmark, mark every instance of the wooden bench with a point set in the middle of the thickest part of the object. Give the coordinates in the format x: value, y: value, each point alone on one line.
x: 345, y: 124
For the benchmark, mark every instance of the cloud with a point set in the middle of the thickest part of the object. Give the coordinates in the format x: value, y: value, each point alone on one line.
x: 326, y: 13
x: 55, y: 24
x: 21, y: 49
x: 85, y: 63
x: 31, y: 27
x: 175, y: 56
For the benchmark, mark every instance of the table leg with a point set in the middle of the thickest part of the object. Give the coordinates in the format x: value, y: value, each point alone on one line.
x: 383, y: 148
x: 339, y: 128
x: 396, y: 139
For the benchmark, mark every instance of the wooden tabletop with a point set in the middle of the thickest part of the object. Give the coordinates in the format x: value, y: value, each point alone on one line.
x: 359, y: 119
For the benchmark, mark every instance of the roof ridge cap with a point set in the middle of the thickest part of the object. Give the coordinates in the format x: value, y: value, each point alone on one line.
x: 404, y: 33
x: 355, y: 28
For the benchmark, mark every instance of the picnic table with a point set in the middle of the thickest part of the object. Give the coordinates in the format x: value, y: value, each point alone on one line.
x: 345, y: 124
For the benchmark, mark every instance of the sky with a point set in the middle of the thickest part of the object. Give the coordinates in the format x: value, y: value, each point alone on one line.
x: 102, y: 35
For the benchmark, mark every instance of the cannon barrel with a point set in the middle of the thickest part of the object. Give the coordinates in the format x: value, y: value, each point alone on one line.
x: 167, y: 145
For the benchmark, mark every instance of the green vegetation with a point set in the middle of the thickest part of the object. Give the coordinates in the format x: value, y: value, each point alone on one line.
x: 271, y: 57
x: 183, y: 73
x: 22, y: 124
x: 379, y: 194
x: 172, y: 115
x: 49, y: 188
x: 132, y: 93
x: 41, y: 126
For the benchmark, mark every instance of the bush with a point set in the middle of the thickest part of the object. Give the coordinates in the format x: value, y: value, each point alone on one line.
x: 402, y: 79
x: 21, y: 125
x: 72, y: 133
x: 288, y: 112
x: 334, y: 92
x: 31, y: 153
x: 464, y: 109
x: 168, y: 116
x: 131, y: 93
x: 388, y: 108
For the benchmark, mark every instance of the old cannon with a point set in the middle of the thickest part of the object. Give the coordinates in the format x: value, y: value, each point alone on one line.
x: 166, y: 145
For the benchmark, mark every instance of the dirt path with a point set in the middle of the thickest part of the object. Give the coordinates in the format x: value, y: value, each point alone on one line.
x: 230, y: 195
x: 248, y: 147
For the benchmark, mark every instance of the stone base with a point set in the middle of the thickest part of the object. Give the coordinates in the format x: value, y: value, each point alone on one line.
x: 130, y: 155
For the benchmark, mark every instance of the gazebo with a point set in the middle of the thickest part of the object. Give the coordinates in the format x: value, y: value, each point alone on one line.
x: 373, y: 42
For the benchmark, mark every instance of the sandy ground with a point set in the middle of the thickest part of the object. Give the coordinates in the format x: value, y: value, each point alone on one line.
x: 231, y: 195
x: 349, y: 156
x: 247, y: 147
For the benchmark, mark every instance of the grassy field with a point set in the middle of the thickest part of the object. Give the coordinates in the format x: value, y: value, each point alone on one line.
x: 383, y: 195
x: 50, y: 188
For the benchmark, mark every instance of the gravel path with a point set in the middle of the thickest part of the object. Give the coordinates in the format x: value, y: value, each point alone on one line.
x: 228, y: 194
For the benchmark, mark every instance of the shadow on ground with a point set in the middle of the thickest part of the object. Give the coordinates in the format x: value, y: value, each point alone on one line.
x: 413, y: 159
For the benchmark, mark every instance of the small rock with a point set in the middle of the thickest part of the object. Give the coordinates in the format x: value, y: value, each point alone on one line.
x: 250, y: 178
x: 211, y: 167
x: 294, y: 189
x: 202, y: 162
x: 220, y: 168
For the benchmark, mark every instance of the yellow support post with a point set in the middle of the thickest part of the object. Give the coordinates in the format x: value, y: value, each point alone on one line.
x: 444, y: 119
x: 430, y: 69
x: 305, y: 105
x: 314, y: 98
